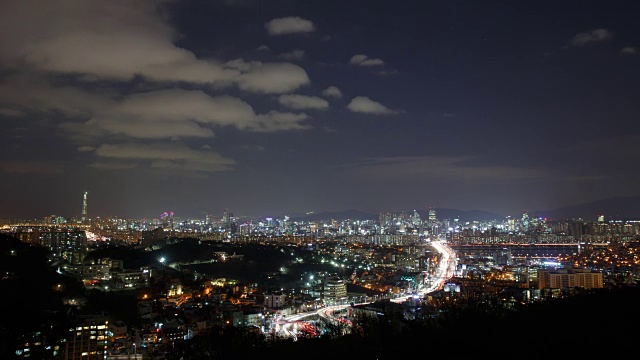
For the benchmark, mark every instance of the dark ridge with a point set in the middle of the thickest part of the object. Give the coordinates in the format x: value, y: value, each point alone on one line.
x: 338, y: 215
x: 614, y: 208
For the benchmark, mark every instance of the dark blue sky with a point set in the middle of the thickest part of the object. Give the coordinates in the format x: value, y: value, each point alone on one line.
x: 274, y: 108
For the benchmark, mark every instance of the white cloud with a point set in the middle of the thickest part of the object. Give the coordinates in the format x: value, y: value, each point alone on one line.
x: 363, y: 104
x: 275, y: 121
x: 629, y: 50
x: 332, y: 91
x: 35, y: 95
x: 296, y: 54
x: 167, y: 155
x: 117, y: 40
x: 269, y: 78
x: 364, y: 60
x: 371, y: 62
x: 103, y: 39
x: 301, y: 102
x: 357, y: 59
x: 289, y: 25
x: 172, y: 113
x: 160, y: 114
x: 263, y: 48
x: 596, y: 35
x: 78, y: 42
x: 147, y: 128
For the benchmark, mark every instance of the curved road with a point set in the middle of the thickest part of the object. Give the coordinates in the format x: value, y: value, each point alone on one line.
x: 446, y: 268
x: 445, y: 271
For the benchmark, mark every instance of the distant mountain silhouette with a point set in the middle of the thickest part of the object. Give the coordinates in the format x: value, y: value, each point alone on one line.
x: 614, y: 208
x: 463, y: 215
x: 338, y: 215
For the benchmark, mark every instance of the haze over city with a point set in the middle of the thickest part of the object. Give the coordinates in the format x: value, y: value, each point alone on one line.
x: 287, y: 107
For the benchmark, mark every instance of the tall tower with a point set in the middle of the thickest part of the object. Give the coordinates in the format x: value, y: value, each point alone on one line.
x: 84, y: 207
x: 173, y: 231
x: 226, y: 218
x: 432, y: 216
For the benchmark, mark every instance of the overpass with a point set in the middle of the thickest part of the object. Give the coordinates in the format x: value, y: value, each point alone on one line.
x: 520, y: 250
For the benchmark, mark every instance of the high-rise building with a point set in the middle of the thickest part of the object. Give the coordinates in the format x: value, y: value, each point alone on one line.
x: 432, y: 216
x: 526, y: 221
x: 87, y: 340
x: 227, y: 218
x: 84, y: 207
x: 416, y: 218
x: 335, y: 291
x: 69, y: 245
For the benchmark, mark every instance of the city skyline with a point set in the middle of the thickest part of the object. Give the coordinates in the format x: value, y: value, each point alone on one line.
x: 615, y: 210
x: 290, y: 107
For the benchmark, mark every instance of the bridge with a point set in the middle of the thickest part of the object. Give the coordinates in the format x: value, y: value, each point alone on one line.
x: 521, y: 250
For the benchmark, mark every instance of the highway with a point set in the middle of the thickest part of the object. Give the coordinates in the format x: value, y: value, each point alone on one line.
x: 445, y: 271
x: 289, y: 327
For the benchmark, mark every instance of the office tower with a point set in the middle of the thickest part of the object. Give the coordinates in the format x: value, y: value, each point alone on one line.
x: 167, y: 221
x: 226, y: 218
x: 335, y: 291
x: 432, y: 216
x: 84, y: 207
x: 416, y: 218
x: 525, y: 221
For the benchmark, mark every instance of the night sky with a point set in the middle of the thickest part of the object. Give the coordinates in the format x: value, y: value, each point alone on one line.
x: 273, y: 108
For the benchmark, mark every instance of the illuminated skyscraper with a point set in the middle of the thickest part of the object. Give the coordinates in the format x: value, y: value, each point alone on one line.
x: 526, y: 221
x: 226, y: 218
x: 416, y: 218
x: 84, y: 207
x: 432, y: 216
x: 167, y: 221
x: 335, y: 291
